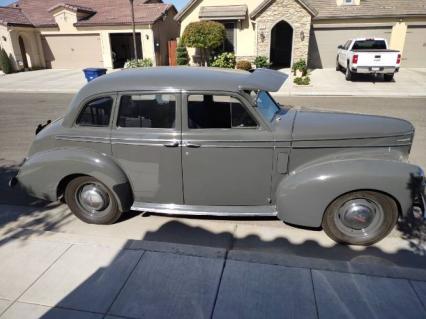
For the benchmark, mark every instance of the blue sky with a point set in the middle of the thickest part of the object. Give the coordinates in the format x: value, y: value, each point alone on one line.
x: 178, y: 3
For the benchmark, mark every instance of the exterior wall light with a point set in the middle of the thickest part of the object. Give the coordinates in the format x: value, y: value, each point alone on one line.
x: 262, y: 37
x: 302, y: 36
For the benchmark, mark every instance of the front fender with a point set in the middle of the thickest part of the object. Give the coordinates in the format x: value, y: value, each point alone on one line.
x: 41, y: 174
x: 304, y: 195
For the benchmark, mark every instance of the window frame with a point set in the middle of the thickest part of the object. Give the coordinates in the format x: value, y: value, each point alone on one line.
x: 244, y: 103
x: 90, y: 99
x: 176, y: 93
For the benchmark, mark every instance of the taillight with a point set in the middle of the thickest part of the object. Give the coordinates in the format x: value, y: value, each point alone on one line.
x: 355, y: 59
x: 398, y: 60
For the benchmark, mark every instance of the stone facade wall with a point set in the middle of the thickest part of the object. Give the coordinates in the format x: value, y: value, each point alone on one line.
x: 295, y: 15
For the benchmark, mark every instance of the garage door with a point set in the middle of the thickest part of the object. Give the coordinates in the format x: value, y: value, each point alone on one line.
x: 72, y: 51
x: 324, y: 42
x: 414, y: 54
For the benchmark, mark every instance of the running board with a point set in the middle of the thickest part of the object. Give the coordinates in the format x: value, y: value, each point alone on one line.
x: 193, y: 210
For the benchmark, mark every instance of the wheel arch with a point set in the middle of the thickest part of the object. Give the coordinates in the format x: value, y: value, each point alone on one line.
x: 304, y: 195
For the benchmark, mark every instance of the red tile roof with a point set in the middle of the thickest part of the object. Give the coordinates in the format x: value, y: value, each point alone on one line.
x: 101, y: 12
x: 13, y: 16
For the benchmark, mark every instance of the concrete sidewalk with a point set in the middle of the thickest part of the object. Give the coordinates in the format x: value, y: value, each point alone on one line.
x: 52, y: 275
x: 325, y: 82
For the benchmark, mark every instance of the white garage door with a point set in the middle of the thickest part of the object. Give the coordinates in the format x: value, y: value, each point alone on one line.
x: 72, y: 51
x: 324, y: 42
x: 414, y: 54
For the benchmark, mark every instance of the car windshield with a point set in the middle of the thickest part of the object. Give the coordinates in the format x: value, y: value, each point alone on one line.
x: 369, y: 45
x: 267, y: 106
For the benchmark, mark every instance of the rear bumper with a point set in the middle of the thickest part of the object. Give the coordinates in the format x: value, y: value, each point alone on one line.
x: 372, y: 70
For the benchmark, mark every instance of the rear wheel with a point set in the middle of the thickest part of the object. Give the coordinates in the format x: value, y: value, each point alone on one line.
x: 91, y: 201
x: 388, y: 77
x: 360, y: 218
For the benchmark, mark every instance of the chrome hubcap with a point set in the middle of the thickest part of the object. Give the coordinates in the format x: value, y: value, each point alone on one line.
x: 359, y: 217
x: 92, y: 198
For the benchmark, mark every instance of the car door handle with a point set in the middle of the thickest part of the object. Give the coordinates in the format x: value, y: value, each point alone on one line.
x: 174, y: 144
x: 191, y: 145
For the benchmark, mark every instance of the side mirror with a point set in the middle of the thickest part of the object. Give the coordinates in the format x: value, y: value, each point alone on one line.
x: 340, y: 47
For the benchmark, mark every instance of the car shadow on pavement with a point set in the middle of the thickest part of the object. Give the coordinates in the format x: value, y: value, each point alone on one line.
x: 164, y: 276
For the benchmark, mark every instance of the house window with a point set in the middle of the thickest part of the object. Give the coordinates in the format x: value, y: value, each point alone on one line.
x: 348, y: 2
x: 229, y: 43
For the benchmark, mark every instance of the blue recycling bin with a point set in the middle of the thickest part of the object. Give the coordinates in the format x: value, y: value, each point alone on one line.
x: 93, y: 73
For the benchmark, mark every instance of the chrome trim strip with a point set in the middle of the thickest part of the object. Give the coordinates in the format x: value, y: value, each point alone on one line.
x: 191, y: 210
x: 137, y: 144
x: 88, y: 139
x: 235, y: 146
x: 347, y: 146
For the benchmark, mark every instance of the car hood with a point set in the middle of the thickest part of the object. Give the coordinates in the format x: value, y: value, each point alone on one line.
x: 314, y: 125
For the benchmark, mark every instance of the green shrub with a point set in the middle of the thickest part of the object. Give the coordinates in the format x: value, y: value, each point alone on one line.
x: 205, y: 36
x: 244, y: 65
x: 306, y: 80
x: 300, y: 66
x: 5, y: 64
x: 262, y: 62
x: 225, y: 60
x: 140, y: 63
x: 182, y: 57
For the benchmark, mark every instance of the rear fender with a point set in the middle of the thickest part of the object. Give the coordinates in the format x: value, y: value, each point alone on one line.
x: 42, y: 173
x: 304, y: 195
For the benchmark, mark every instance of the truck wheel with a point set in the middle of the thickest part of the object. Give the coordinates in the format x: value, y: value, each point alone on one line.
x: 388, y: 77
x: 349, y: 74
x: 91, y: 201
x: 360, y: 218
x: 338, y: 68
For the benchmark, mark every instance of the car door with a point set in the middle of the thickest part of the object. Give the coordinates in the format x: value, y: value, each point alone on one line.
x: 145, y: 140
x: 226, y: 151
x: 343, y: 54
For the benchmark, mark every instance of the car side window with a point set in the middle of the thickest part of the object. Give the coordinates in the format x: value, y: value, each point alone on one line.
x: 147, y: 111
x: 217, y: 111
x: 347, y: 44
x: 96, y: 113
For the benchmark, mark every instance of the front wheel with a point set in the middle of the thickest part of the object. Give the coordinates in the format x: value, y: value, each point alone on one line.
x: 360, y: 218
x: 338, y: 68
x: 349, y: 75
x: 91, y: 201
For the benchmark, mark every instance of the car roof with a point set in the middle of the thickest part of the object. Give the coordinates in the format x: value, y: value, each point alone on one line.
x: 185, y: 78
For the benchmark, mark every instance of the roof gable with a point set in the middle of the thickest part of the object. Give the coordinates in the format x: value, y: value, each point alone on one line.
x: 304, y: 3
x: 13, y: 16
x: 100, y: 12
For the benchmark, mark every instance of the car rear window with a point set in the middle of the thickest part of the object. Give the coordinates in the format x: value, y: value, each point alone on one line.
x: 147, y: 111
x: 96, y: 112
x: 369, y: 45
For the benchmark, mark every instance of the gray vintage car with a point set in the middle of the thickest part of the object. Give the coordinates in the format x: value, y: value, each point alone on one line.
x: 201, y: 141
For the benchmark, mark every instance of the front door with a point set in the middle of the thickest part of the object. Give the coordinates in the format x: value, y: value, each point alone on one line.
x: 145, y: 141
x: 226, y: 153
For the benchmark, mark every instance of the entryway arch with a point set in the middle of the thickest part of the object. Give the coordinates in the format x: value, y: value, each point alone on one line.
x: 281, y: 44
x: 26, y: 59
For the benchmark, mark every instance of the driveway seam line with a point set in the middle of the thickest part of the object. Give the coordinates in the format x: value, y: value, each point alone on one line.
x: 315, y: 296
x: 60, y: 307
x: 37, y: 279
x: 124, y: 285
x: 218, y: 285
x: 417, y: 295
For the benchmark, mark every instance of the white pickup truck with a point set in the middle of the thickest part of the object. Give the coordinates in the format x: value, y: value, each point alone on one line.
x: 367, y: 56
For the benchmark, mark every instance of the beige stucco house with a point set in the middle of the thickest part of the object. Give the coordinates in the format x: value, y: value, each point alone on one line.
x: 85, y: 33
x: 288, y: 30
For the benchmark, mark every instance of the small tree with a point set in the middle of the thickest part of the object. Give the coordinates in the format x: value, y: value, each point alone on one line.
x: 5, y: 64
x: 204, y: 35
x: 182, y: 57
